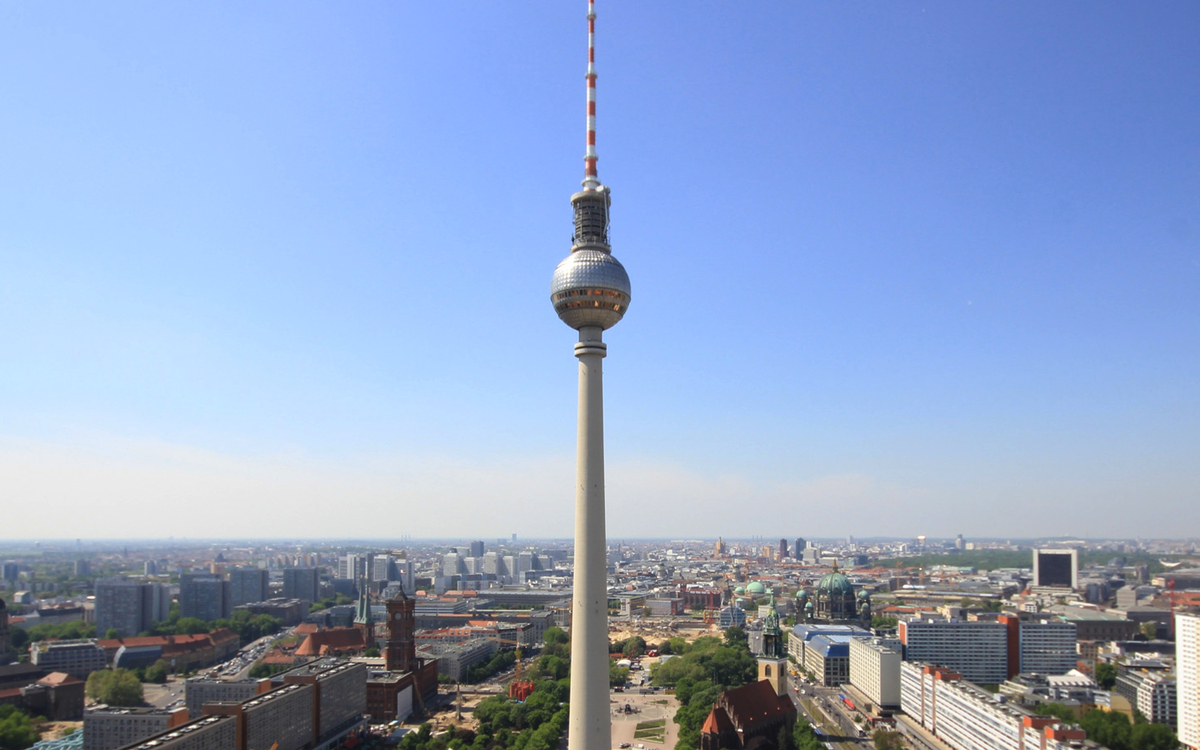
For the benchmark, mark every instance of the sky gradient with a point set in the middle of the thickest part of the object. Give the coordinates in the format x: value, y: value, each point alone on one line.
x: 283, y: 270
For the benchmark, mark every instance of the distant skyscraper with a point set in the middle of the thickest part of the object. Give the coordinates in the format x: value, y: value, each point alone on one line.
x: 83, y: 568
x: 302, y: 584
x: 798, y: 550
x: 783, y: 551
x: 249, y: 585
x: 477, y: 549
x: 590, y: 291
x: 11, y: 571
x: 1187, y: 675
x: 150, y: 568
x: 349, y: 566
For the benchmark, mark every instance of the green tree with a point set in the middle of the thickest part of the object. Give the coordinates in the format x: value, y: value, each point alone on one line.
x: 116, y: 687
x: 555, y: 635
x: 886, y: 739
x: 1149, y: 630
x: 1059, y: 711
x: 111, y: 634
x: 158, y: 671
x: 191, y: 626
x: 18, y: 730
x: 1108, y: 728
x: 883, y: 622
x: 1106, y: 675
x: 617, y: 675
x: 634, y: 647
x: 736, y: 635
x: 1153, y: 737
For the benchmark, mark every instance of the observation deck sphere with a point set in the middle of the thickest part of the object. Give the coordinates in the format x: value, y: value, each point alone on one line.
x: 590, y: 288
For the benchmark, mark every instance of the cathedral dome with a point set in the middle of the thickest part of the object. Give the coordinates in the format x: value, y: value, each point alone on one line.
x: 740, y: 590
x: 835, y: 584
x: 756, y: 588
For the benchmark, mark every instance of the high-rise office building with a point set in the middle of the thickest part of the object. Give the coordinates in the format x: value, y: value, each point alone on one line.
x: 349, y: 567
x: 977, y: 650
x: 477, y: 549
x: 1187, y: 677
x: 590, y: 292
x: 798, y: 548
x: 249, y: 585
x: 783, y: 550
x: 301, y: 583
x: 204, y: 596
x: 83, y: 568
x: 11, y: 571
x: 1056, y: 567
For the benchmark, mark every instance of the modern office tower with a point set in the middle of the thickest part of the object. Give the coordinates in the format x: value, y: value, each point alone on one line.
x: 160, y: 601
x: 875, y: 670
x: 493, y: 564
x: 477, y: 549
x: 452, y: 564
x: 383, y: 568
x: 1056, y: 567
x: 977, y: 650
x: 349, y: 566
x: 123, y: 606
x: 783, y: 550
x: 11, y: 571
x: 959, y: 544
x: 150, y: 568
x: 249, y: 585
x: 301, y: 583
x: 590, y: 292
x: 83, y: 568
x: 205, y: 597
x: 798, y: 548
x: 1187, y: 677
x: 407, y: 575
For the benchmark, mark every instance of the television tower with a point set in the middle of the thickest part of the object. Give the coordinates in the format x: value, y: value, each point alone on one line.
x: 590, y: 292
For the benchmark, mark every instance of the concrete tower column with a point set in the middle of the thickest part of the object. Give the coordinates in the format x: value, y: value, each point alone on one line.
x: 588, y: 728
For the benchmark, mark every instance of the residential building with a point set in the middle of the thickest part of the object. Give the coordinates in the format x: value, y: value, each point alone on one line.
x: 198, y: 691
x: 124, y: 606
x: 1047, y: 647
x: 349, y: 567
x: 76, y: 658
x: 107, y: 728
x: 302, y: 584
x: 249, y: 585
x: 208, y: 733
x: 289, y: 611
x: 978, y: 650
x: 875, y: 671
x: 966, y: 717
x: 1187, y: 674
x: 205, y: 596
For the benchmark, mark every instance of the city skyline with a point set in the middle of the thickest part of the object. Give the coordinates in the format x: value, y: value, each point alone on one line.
x: 945, y: 257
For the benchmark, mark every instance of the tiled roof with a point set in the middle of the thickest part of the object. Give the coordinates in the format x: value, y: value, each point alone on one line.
x: 717, y: 722
x: 333, y: 641
x: 58, y: 678
x: 754, y: 703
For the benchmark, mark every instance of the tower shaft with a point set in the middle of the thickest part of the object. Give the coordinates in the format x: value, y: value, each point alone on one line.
x: 589, y: 721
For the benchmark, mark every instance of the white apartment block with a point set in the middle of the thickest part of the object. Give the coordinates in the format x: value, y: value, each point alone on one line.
x: 1187, y: 677
x: 967, y: 717
x: 979, y: 650
x: 1157, y: 699
x: 875, y: 670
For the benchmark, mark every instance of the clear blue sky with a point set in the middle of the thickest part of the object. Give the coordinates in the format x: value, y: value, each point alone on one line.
x: 897, y: 268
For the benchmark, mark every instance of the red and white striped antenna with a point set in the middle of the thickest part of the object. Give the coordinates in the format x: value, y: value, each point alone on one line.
x: 591, y: 180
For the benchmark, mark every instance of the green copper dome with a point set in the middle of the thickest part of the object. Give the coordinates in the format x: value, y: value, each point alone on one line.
x: 756, y: 588
x: 740, y: 590
x: 835, y: 584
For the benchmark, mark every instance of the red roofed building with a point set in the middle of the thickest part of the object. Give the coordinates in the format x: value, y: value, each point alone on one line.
x: 182, y: 651
x: 748, y: 717
x: 333, y: 642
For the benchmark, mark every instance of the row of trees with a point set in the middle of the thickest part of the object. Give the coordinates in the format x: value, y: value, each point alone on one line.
x: 500, y: 661
x: 62, y: 631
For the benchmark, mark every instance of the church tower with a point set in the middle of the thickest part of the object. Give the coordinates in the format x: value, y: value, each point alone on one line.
x: 400, y: 654
x: 362, y: 616
x: 772, y: 665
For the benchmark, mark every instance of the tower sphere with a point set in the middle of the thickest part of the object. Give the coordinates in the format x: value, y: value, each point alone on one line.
x: 590, y: 288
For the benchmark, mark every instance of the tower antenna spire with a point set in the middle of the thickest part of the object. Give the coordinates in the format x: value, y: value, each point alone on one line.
x: 591, y: 179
